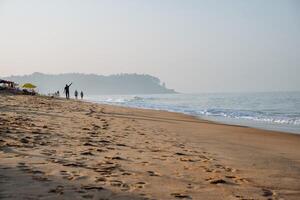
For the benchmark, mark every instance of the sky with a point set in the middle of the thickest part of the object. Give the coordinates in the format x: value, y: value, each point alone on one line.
x: 193, y: 45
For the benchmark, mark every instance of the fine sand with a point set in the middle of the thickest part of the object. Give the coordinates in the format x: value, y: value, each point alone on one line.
x: 58, y: 149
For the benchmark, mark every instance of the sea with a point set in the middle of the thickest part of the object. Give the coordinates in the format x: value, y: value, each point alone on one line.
x: 279, y: 111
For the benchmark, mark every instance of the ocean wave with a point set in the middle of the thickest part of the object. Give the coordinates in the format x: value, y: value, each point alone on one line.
x: 126, y: 99
x: 251, y: 115
x: 212, y: 107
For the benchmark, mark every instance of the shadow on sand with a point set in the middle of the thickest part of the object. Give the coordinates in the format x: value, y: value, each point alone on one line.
x: 21, y: 183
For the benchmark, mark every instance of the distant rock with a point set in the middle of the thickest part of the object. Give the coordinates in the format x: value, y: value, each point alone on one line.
x: 92, y: 84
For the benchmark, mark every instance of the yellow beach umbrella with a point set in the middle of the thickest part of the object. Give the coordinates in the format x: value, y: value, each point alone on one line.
x: 29, y: 86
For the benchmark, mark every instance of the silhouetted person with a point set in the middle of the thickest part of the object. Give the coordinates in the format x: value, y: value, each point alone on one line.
x: 76, y: 94
x: 67, y: 90
x: 81, y: 95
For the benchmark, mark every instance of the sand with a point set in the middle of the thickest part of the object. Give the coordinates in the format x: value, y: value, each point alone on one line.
x: 59, y: 149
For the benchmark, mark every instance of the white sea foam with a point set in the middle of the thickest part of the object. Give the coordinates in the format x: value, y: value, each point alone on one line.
x: 267, y: 108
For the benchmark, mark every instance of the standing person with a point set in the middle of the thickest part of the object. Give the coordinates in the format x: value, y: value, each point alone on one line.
x: 67, y: 90
x: 76, y: 94
x: 81, y: 94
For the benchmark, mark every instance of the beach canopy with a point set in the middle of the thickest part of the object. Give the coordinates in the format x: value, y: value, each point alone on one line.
x: 29, y: 86
x: 6, y: 82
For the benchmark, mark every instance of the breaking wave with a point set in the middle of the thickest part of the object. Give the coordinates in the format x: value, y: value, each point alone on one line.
x: 270, y: 108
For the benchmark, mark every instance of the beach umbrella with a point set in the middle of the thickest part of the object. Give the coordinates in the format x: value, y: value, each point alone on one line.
x: 29, y: 86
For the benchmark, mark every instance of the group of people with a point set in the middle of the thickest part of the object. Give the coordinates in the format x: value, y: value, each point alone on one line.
x: 67, y: 92
x: 76, y: 94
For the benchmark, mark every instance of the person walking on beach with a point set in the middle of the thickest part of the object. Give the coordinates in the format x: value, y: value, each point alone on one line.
x: 67, y: 90
x: 81, y: 95
x: 56, y: 93
x: 76, y: 94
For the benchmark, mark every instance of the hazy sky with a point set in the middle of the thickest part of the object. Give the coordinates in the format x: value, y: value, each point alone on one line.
x: 192, y: 45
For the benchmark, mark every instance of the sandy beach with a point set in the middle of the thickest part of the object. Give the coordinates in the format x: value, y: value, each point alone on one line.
x: 58, y: 149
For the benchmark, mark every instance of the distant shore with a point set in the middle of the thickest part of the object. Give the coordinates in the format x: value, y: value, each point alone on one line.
x: 54, y: 148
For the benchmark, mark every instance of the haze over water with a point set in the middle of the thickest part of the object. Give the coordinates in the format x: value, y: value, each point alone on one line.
x: 194, y: 46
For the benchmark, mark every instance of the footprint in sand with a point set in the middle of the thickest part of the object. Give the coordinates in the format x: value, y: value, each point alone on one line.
x: 58, y: 190
x: 87, y: 153
x: 100, y: 179
x: 181, y: 196
x: 159, y: 158
x: 152, y: 173
x: 89, y: 143
x: 114, y: 158
x: 101, y: 150
x: 88, y: 196
x: 180, y: 154
x: 268, y: 193
x: 23, y: 167
x: 66, y: 175
x: 37, y: 172
x: 216, y: 181
x: 121, y: 145
x: 243, y: 197
x: 40, y: 178
x: 237, y: 179
x: 206, y: 169
x: 140, y: 185
x: 92, y: 187
x: 72, y: 164
x: 188, y: 160
x: 24, y: 140
x: 95, y: 127
x: 228, y: 169
x: 48, y: 152
x: 126, y: 173
x: 205, y: 158
x: 123, y: 186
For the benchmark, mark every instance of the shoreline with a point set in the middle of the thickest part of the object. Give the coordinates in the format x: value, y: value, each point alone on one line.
x: 68, y: 149
x: 221, y: 120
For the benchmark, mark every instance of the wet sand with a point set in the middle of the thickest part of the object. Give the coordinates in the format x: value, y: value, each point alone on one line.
x: 58, y: 149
